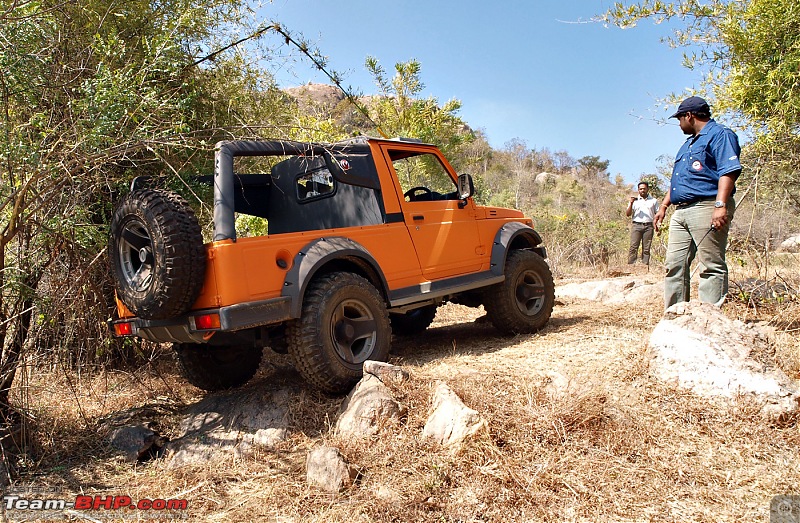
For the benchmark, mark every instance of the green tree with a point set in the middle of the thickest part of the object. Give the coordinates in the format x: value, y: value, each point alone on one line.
x: 401, y: 111
x: 748, y: 53
x: 93, y: 93
x: 593, y: 167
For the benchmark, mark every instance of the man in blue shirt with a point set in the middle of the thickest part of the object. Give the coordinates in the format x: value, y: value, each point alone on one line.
x: 702, y: 189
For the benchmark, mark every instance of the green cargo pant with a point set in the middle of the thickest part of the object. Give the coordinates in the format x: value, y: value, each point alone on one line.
x: 690, y: 234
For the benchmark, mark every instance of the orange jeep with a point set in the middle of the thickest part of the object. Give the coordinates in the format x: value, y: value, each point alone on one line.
x: 364, y: 238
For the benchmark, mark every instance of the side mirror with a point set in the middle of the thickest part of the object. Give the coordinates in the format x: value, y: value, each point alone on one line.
x: 465, y: 186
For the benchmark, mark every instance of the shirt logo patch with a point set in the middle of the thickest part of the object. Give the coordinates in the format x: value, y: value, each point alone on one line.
x: 733, y: 157
x: 696, y: 165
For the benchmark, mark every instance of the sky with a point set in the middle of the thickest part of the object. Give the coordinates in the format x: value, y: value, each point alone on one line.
x: 537, y: 70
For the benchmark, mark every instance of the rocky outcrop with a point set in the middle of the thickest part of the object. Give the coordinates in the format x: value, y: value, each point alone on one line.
x: 791, y: 244
x: 545, y: 177
x: 697, y: 347
x: 611, y: 291
x: 231, y: 423
x: 323, y: 96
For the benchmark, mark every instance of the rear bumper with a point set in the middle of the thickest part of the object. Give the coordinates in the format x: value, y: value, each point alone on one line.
x: 232, y: 318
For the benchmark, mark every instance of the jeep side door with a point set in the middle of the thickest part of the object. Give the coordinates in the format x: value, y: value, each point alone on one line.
x: 443, y: 229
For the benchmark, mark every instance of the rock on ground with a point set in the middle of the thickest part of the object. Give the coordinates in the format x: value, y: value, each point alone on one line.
x: 326, y: 468
x: 451, y: 422
x: 697, y: 347
x: 231, y: 422
x: 133, y: 433
x: 614, y: 290
x: 791, y: 244
x: 368, y: 406
x: 386, y: 372
x: 137, y: 442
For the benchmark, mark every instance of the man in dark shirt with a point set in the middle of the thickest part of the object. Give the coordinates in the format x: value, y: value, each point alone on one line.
x: 702, y: 189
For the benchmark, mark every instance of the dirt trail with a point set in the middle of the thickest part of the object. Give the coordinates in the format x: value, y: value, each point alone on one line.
x: 605, y: 443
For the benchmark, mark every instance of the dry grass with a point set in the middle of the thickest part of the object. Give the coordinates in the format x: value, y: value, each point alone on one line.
x: 579, y: 431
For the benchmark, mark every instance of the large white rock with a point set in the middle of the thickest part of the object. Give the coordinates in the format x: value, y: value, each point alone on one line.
x: 544, y: 177
x: 612, y: 291
x: 697, y: 347
x: 791, y: 244
x: 451, y: 422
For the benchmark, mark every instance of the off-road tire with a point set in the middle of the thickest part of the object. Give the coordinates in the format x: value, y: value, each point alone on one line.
x: 157, y: 254
x: 412, y: 322
x: 523, y: 302
x: 343, y: 323
x: 213, y: 368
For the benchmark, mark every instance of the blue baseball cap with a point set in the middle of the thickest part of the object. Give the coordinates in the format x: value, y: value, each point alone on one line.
x: 693, y: 104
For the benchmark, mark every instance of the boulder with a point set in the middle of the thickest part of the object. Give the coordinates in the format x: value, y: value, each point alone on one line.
x: 791, y: 244
x: 137, y: 442
x: 451, y: 422
x: 327, y: 469
x: 697, y: 347
x: 368, y: 406
x: 611, y: 291
x: 544, y: 177
x: 133, y: 433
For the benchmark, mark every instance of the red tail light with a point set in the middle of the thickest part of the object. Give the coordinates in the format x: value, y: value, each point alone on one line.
x: 206, y: 322
x: 123, y: 329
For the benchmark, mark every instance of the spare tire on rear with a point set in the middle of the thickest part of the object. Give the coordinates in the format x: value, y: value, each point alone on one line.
x: 157, y: 254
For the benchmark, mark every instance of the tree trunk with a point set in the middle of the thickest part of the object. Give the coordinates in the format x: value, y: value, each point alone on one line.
x: 21, y: 326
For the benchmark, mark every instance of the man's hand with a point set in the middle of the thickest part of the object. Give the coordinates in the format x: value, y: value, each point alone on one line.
x: 720, y: 218
x: 659, y: 218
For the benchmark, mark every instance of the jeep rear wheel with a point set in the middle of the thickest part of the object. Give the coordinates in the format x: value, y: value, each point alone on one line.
x: 157, y: 254
x: 523, y: 302
x: 413, y: 322
x: 216, y: 368
x: 343, y: 324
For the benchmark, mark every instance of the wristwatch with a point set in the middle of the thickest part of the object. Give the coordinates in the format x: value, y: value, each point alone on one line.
x: 718, y: 204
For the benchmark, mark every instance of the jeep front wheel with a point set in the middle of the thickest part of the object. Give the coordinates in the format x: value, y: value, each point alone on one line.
x: 157, y: 254
x: 216, y: 368
x: 343, y: 324
x: 523, y: 302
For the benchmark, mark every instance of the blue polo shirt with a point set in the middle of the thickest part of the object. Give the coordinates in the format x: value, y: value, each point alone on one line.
x: 701, y: 161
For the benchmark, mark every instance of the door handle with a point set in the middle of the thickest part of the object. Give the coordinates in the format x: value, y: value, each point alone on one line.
x: 418, y: 217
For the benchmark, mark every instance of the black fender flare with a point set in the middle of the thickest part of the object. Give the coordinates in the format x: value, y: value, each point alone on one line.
x: 511, y: 235
x: 319, y: 253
